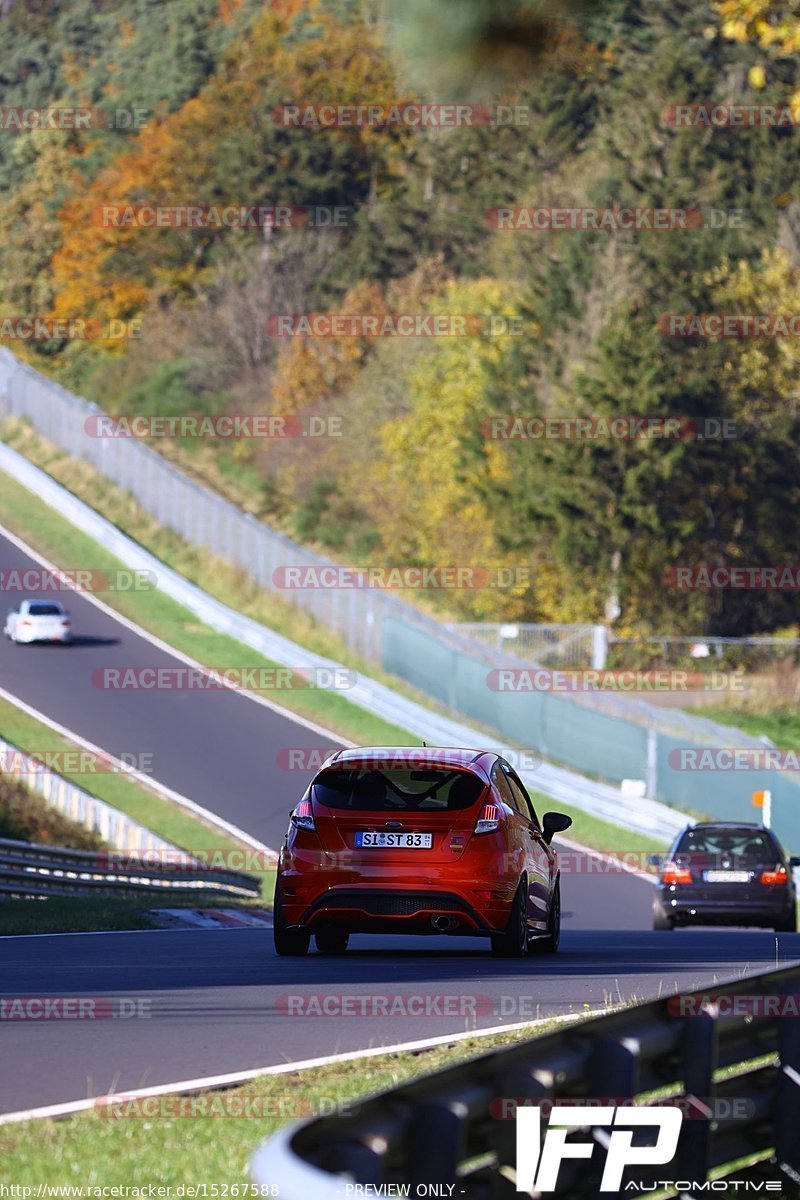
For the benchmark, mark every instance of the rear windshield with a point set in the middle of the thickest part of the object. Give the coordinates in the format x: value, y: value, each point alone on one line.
x: 364, y: 789
x: 736, y: 845
x: 44, y: 610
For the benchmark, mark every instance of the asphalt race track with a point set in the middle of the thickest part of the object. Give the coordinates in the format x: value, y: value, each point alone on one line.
x: 220, y: 1001
x: 217, y: 747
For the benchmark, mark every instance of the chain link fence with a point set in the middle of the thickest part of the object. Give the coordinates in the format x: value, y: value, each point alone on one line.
x: 554, y: 645
x: 611, y: 737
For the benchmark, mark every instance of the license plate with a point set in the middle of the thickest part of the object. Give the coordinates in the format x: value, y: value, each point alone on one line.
x: 397, y: 841
x: 727, y: 876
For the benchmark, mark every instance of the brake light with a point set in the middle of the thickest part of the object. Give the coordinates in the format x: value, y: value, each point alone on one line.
x: 303, y: 817
x: 673, y: 874
x: 775, y: 878
x: 23, y: 622
x: 489, y: 820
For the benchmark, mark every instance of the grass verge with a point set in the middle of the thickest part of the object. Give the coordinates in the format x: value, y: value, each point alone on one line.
x: 81, y: 914
x: 150, y: 1140
x: 92, y: 1148
x: 782, y: 726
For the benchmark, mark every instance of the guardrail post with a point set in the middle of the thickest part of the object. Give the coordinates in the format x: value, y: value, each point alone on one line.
x: 599, y: 646
x: 700, y: 1037
x: 787, y: 1101
x: 651, y: 790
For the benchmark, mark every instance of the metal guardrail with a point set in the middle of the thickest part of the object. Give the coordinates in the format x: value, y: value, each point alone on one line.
x: 29, y: 870
x: 455, y: 1127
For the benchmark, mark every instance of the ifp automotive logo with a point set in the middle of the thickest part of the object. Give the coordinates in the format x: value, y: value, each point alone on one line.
x: 538, y: 1162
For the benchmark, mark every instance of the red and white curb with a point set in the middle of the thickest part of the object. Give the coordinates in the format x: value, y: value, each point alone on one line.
x: 213, y: 918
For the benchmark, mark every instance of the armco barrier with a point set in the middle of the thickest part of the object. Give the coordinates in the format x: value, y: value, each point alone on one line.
x: 454, y: 1133
x: 611, y: 737
x: 28, y: 870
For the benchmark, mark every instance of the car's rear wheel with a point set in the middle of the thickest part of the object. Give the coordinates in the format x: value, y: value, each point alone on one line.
x: 289, y: 943
x: 661, y: 920
x: 332, y: 941
x: 788, y: 924
x: 514, y: 942
x: 549, y: 944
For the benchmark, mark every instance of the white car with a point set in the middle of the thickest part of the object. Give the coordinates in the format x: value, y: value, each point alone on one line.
x: 38, y: 621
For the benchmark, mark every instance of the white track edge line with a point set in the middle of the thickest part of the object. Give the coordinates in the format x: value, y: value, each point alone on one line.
x: 4, y: 937
x: 214, y: 1082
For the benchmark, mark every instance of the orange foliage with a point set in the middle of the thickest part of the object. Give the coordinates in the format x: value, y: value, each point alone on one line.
x: 311, y: 371
x: 109, y: 271
x: 226, y: 9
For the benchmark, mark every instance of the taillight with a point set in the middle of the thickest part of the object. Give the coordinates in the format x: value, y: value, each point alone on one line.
x: 489, y: 820
x: 777, y: 877
x: 303, y: 817
x: 26, y: 622
x: 673, y: 874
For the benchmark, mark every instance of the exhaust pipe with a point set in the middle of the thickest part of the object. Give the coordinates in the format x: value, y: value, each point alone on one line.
x: 442, y: 923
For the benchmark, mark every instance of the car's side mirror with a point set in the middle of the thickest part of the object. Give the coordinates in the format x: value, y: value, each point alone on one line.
x: 553, y: 823
x: 655, y: 860
x: 794, y: 861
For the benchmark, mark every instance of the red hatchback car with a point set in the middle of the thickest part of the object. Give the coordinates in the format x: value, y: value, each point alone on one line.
x: 389, y: 840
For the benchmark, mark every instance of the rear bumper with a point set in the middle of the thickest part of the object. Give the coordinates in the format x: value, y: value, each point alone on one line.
x: 398, y: 910
x: 26, y: 639
x: 703, y: 911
